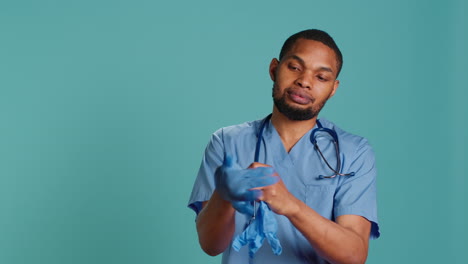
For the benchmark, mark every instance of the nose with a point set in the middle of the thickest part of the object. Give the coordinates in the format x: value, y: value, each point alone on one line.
x: 304, y: 81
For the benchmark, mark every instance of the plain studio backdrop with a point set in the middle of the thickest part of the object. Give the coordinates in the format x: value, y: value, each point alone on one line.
x: 106, y: 108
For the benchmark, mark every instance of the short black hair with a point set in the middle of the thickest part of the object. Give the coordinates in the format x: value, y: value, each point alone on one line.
x: 317, y: 35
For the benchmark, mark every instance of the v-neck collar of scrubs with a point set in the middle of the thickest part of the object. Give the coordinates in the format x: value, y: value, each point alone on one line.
x: 275, y: 144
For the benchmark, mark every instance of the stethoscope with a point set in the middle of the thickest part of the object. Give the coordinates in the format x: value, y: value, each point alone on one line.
x: 313, y: 139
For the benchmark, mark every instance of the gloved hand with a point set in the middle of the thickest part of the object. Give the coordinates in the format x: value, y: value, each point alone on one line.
x: 263, y: 226
x: 234, y: 183
x: 244, y: 207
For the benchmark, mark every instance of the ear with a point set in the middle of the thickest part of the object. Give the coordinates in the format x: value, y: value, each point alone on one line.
x: 335, y: 87
x: 273, y: 66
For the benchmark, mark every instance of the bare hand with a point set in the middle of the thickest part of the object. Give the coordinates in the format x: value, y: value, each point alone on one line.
x: 277, y: 196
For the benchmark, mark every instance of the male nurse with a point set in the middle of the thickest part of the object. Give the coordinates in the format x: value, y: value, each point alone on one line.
x: 316, y: 182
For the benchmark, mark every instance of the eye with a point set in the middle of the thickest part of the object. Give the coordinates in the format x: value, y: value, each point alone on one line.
x: 322, y: 78
x: 294, y: 67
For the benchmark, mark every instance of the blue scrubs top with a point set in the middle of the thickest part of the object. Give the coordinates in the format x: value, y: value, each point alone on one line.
x: 299, y: 169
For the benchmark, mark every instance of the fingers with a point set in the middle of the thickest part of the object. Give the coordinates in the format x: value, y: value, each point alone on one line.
x: 258, y: 165
x: 237, y: 184
x: 259, y: 172
x: 270, y: 228
x: 274, y: 243
x: 264, y: 181
x: 252, y: 195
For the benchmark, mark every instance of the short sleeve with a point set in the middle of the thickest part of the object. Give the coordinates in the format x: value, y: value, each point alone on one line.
x: 357, y: 195
x: 204, y: 184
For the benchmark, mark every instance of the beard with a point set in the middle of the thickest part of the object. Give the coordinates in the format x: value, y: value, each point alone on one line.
x: 292, y: 112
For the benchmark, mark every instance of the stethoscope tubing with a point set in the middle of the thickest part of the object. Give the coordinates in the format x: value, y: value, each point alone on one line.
x: 314, y: 142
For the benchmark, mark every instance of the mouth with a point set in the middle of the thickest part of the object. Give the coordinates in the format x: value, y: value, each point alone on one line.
x: 299, y: 96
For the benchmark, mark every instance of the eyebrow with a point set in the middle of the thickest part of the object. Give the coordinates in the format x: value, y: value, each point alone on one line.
x: 323, y: 68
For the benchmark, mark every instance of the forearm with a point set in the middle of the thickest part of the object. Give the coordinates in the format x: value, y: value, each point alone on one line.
x: 215, y: 225
x: 332, y: 241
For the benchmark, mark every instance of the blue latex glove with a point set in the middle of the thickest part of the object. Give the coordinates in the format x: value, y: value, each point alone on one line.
x: 270, y: 228
x: 263, y: 226
x: 244, y: 207
x: 234, y: 183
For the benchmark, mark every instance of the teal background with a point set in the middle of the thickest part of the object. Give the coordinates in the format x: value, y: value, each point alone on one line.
x: 106, y: 107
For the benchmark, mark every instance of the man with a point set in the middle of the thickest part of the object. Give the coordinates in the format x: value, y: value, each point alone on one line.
x: 320, y: 219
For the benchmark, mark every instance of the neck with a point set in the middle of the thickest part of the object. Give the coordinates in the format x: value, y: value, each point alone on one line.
x: 290, y: 131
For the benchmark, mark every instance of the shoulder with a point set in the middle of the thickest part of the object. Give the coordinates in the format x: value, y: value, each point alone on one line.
x: 237, y: 141
x: 348, y: 141
x: 238, y: 131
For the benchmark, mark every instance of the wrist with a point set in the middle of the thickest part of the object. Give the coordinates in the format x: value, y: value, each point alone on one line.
x: 294, y: 209
x: 218, y: 201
